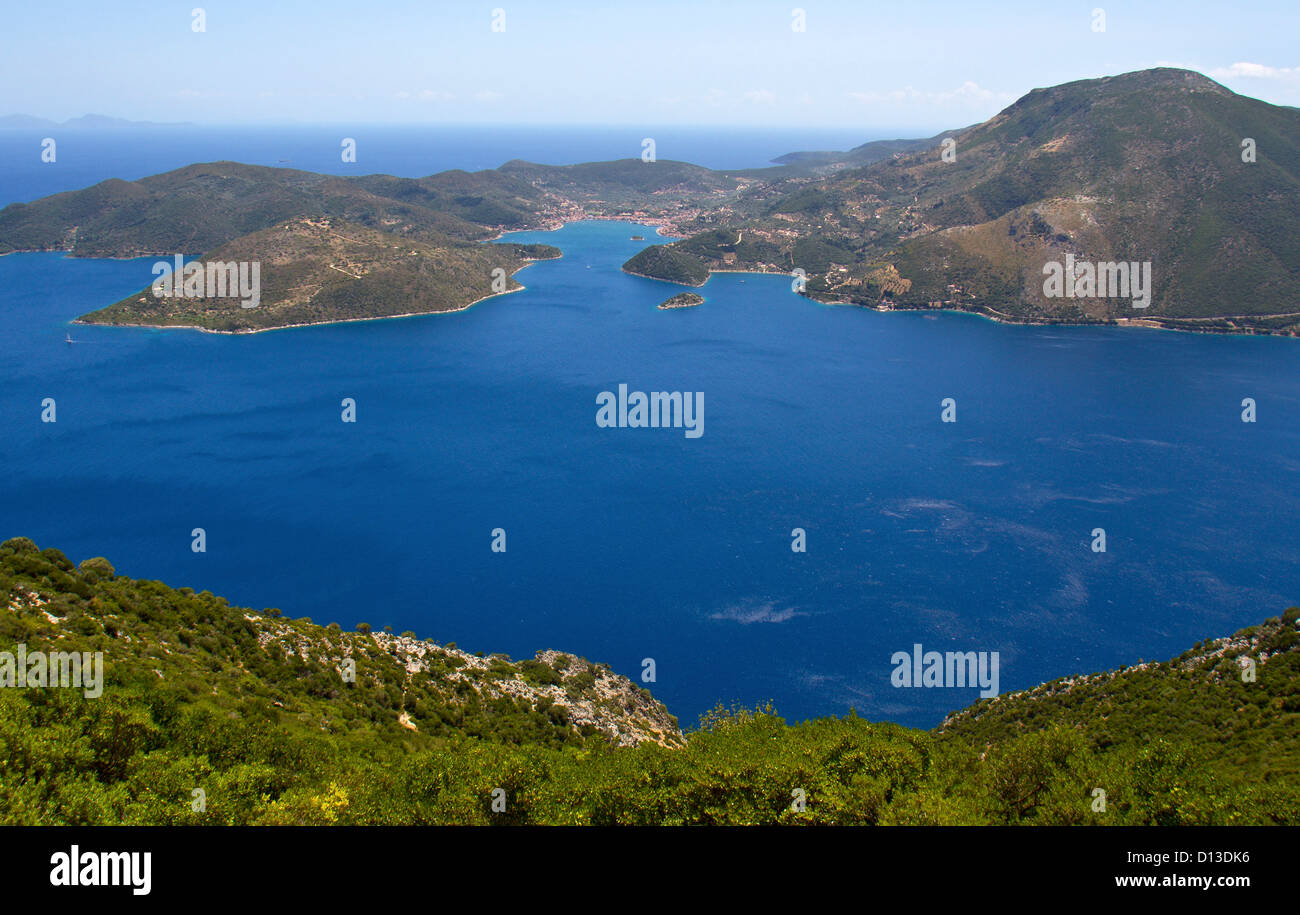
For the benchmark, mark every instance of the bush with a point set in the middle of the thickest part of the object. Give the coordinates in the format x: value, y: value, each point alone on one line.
x: 96, y: 569
x: 58, y: 559
x: 540, y: 673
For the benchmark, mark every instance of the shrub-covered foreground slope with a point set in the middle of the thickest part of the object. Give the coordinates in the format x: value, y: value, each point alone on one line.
x: 212, y: 714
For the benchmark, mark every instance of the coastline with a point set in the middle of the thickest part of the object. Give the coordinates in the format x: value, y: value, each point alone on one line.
x: 69, y: 253
x: 261, y: 330
x: 663, y: 228
x: 660, y: 279
x: 682, y: 300
x: 997, y: 317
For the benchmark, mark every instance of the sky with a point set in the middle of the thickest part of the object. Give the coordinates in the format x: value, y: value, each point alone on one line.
x: 907, y: 64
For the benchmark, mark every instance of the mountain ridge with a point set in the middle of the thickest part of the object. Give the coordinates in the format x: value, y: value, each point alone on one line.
x: 94, y: 121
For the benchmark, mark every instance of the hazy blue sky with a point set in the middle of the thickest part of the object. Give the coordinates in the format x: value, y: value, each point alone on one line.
x: 917, y: 65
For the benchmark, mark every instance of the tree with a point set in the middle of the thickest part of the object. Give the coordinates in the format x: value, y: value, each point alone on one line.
x: 96, y: 569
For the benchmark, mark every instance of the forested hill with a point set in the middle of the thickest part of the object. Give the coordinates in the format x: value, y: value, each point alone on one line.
x: 211, y: 714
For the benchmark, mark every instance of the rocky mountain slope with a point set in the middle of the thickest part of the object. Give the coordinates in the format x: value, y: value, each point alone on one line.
x: 1240, y: 693
x: 258, y: 664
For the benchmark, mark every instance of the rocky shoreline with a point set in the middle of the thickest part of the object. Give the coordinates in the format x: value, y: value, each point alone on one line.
x: 682, y: 300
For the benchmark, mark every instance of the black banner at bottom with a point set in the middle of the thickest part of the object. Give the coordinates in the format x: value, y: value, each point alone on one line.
x: 434, y: 865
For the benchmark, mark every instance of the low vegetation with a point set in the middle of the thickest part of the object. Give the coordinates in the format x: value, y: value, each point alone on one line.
x: 212, y: 714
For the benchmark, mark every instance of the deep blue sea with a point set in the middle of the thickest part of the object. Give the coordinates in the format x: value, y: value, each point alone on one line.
x: 626, y: 544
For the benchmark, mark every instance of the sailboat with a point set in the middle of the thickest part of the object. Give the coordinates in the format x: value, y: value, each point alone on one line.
x: 69, y: 338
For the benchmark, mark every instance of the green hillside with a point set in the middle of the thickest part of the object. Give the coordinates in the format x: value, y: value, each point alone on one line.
x: 667, y: 263
x: 213, y: 714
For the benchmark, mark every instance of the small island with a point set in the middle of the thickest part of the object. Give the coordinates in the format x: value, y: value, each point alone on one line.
x: 682, y: 300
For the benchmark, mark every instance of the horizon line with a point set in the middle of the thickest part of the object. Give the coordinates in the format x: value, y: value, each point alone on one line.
x: 556, y: 125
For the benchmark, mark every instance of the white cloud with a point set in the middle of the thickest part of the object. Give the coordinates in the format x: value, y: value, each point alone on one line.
x: 1254, y: 71
x: 760, y: 96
